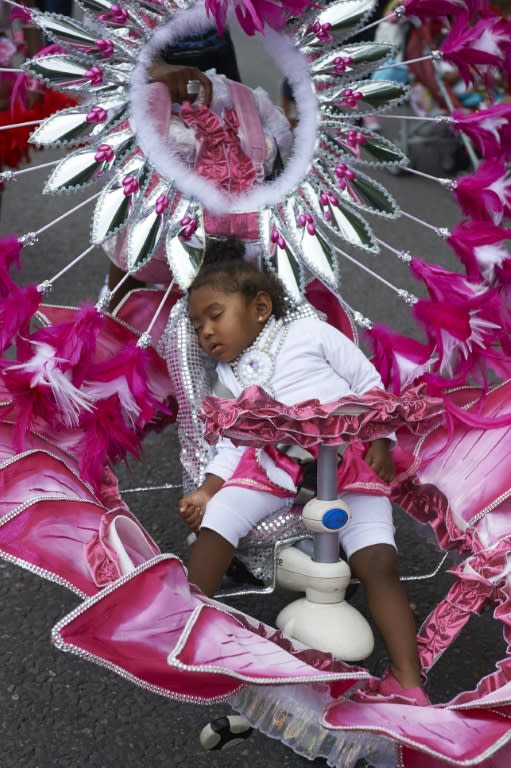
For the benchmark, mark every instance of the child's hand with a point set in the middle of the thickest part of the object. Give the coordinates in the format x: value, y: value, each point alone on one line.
x: 192, y: 508
x: 177, y: 77
x: 380, y: 460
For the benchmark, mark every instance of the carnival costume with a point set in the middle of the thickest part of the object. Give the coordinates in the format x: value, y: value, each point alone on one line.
x: 111, y: 376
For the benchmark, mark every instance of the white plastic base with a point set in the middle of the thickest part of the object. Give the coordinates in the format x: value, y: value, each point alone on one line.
x: 335, y: 628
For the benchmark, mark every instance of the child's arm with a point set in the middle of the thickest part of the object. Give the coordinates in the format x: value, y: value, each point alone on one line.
x: 380, y: 460
x: 193, y: 505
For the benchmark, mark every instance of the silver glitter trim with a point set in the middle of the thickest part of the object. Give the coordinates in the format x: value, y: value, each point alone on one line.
x: 45, y: 287
x: 29, y: 238
x: 407, y: 297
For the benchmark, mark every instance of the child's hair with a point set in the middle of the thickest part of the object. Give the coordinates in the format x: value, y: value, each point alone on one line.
x: 223, y: 267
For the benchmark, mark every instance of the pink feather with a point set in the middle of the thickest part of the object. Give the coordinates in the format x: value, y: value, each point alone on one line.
x: 446, y: 286
x: 38, y: 384
x: 7, y: 284
x: 16, y: 311
x: 489, y: 129
x: 485, y: 195
x: 253, y: 15
x: 476, y: 48
x: 106, y: 438
x: 128, y: 372
x: 399, y: 359
x: 10, y: 252
x: 435, y: 9
x: 466, y: 336
x: 27, y: 404
x: 74, y: 342
x: 478, y: 244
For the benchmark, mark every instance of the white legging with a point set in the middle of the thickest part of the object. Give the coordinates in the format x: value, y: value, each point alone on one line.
x: 233, y: 512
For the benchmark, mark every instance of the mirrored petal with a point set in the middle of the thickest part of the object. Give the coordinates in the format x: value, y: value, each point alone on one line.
x: 149, y: 226
x: 375, y: 95
x: 186, y: 242
x: 66, y: 73
x: 158, y: 9
x: 79, y: 123
x: 87, y: 165
x: 355, y: 188
x: 279, y: 254
x: 342, y: 18
x: 114, y: 15
x: 119, y: 198
x: 69, y: 33
x: 361, y: 145
x: 338, y: 219
x: 315, y: 251
x: 350, y: 61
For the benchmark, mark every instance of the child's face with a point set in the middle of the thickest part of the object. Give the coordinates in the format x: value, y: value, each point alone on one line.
x: 226, y: 323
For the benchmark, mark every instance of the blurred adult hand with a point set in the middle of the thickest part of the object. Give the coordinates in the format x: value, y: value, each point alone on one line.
x: 177, y: 77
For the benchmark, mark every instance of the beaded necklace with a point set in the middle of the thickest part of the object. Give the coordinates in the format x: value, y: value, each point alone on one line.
x: 256, y: 364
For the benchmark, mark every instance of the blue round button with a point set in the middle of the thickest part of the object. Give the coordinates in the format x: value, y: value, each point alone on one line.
x: 335, y: 518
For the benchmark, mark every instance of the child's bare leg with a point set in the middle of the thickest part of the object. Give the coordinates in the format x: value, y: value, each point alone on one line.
x: 209, y: 560
x: 377, y: 568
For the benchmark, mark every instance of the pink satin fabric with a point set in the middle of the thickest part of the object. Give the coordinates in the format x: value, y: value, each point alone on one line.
x: 242, y: 225
x: 458, y: 737
x: 254, y: 418
x: 220, y: 158
x: 460, y: 487
x: 353, y: 473
x: 50, y: 519
x: 164, y: 634
x: 336, y: 315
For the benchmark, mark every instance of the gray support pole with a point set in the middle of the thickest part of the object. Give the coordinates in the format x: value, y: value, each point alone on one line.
x: 326, y: 545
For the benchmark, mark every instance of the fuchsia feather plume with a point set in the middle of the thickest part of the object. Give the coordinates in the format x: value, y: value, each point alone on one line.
x: 448, y: 287
x: 74, y: 342
x: 17, y: 307
x: 489, y: 129
x: 253, y: 15
x: 7, y: 284
x: 398, y: 359
x: 486, y: 194
x: 466, y: 336
x: 106, y: 437
x: 51, y: 364
x: 437, y: 9
x: 479, y: 245
x: 10, y: 252
x: 477, y: 48
x: 125, y: 375
x: 42, y: 392
x: 124, y: 405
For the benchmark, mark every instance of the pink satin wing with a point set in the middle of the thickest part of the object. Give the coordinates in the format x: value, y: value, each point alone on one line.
x: 219, y: 641
x: 461, y: 738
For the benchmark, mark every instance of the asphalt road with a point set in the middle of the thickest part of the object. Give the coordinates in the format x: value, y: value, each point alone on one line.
x: 57, y: 711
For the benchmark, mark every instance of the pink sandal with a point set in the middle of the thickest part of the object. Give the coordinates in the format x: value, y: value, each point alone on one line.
x: 389, y: 686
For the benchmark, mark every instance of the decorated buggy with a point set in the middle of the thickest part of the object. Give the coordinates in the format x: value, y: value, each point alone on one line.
x: 112, y: 374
